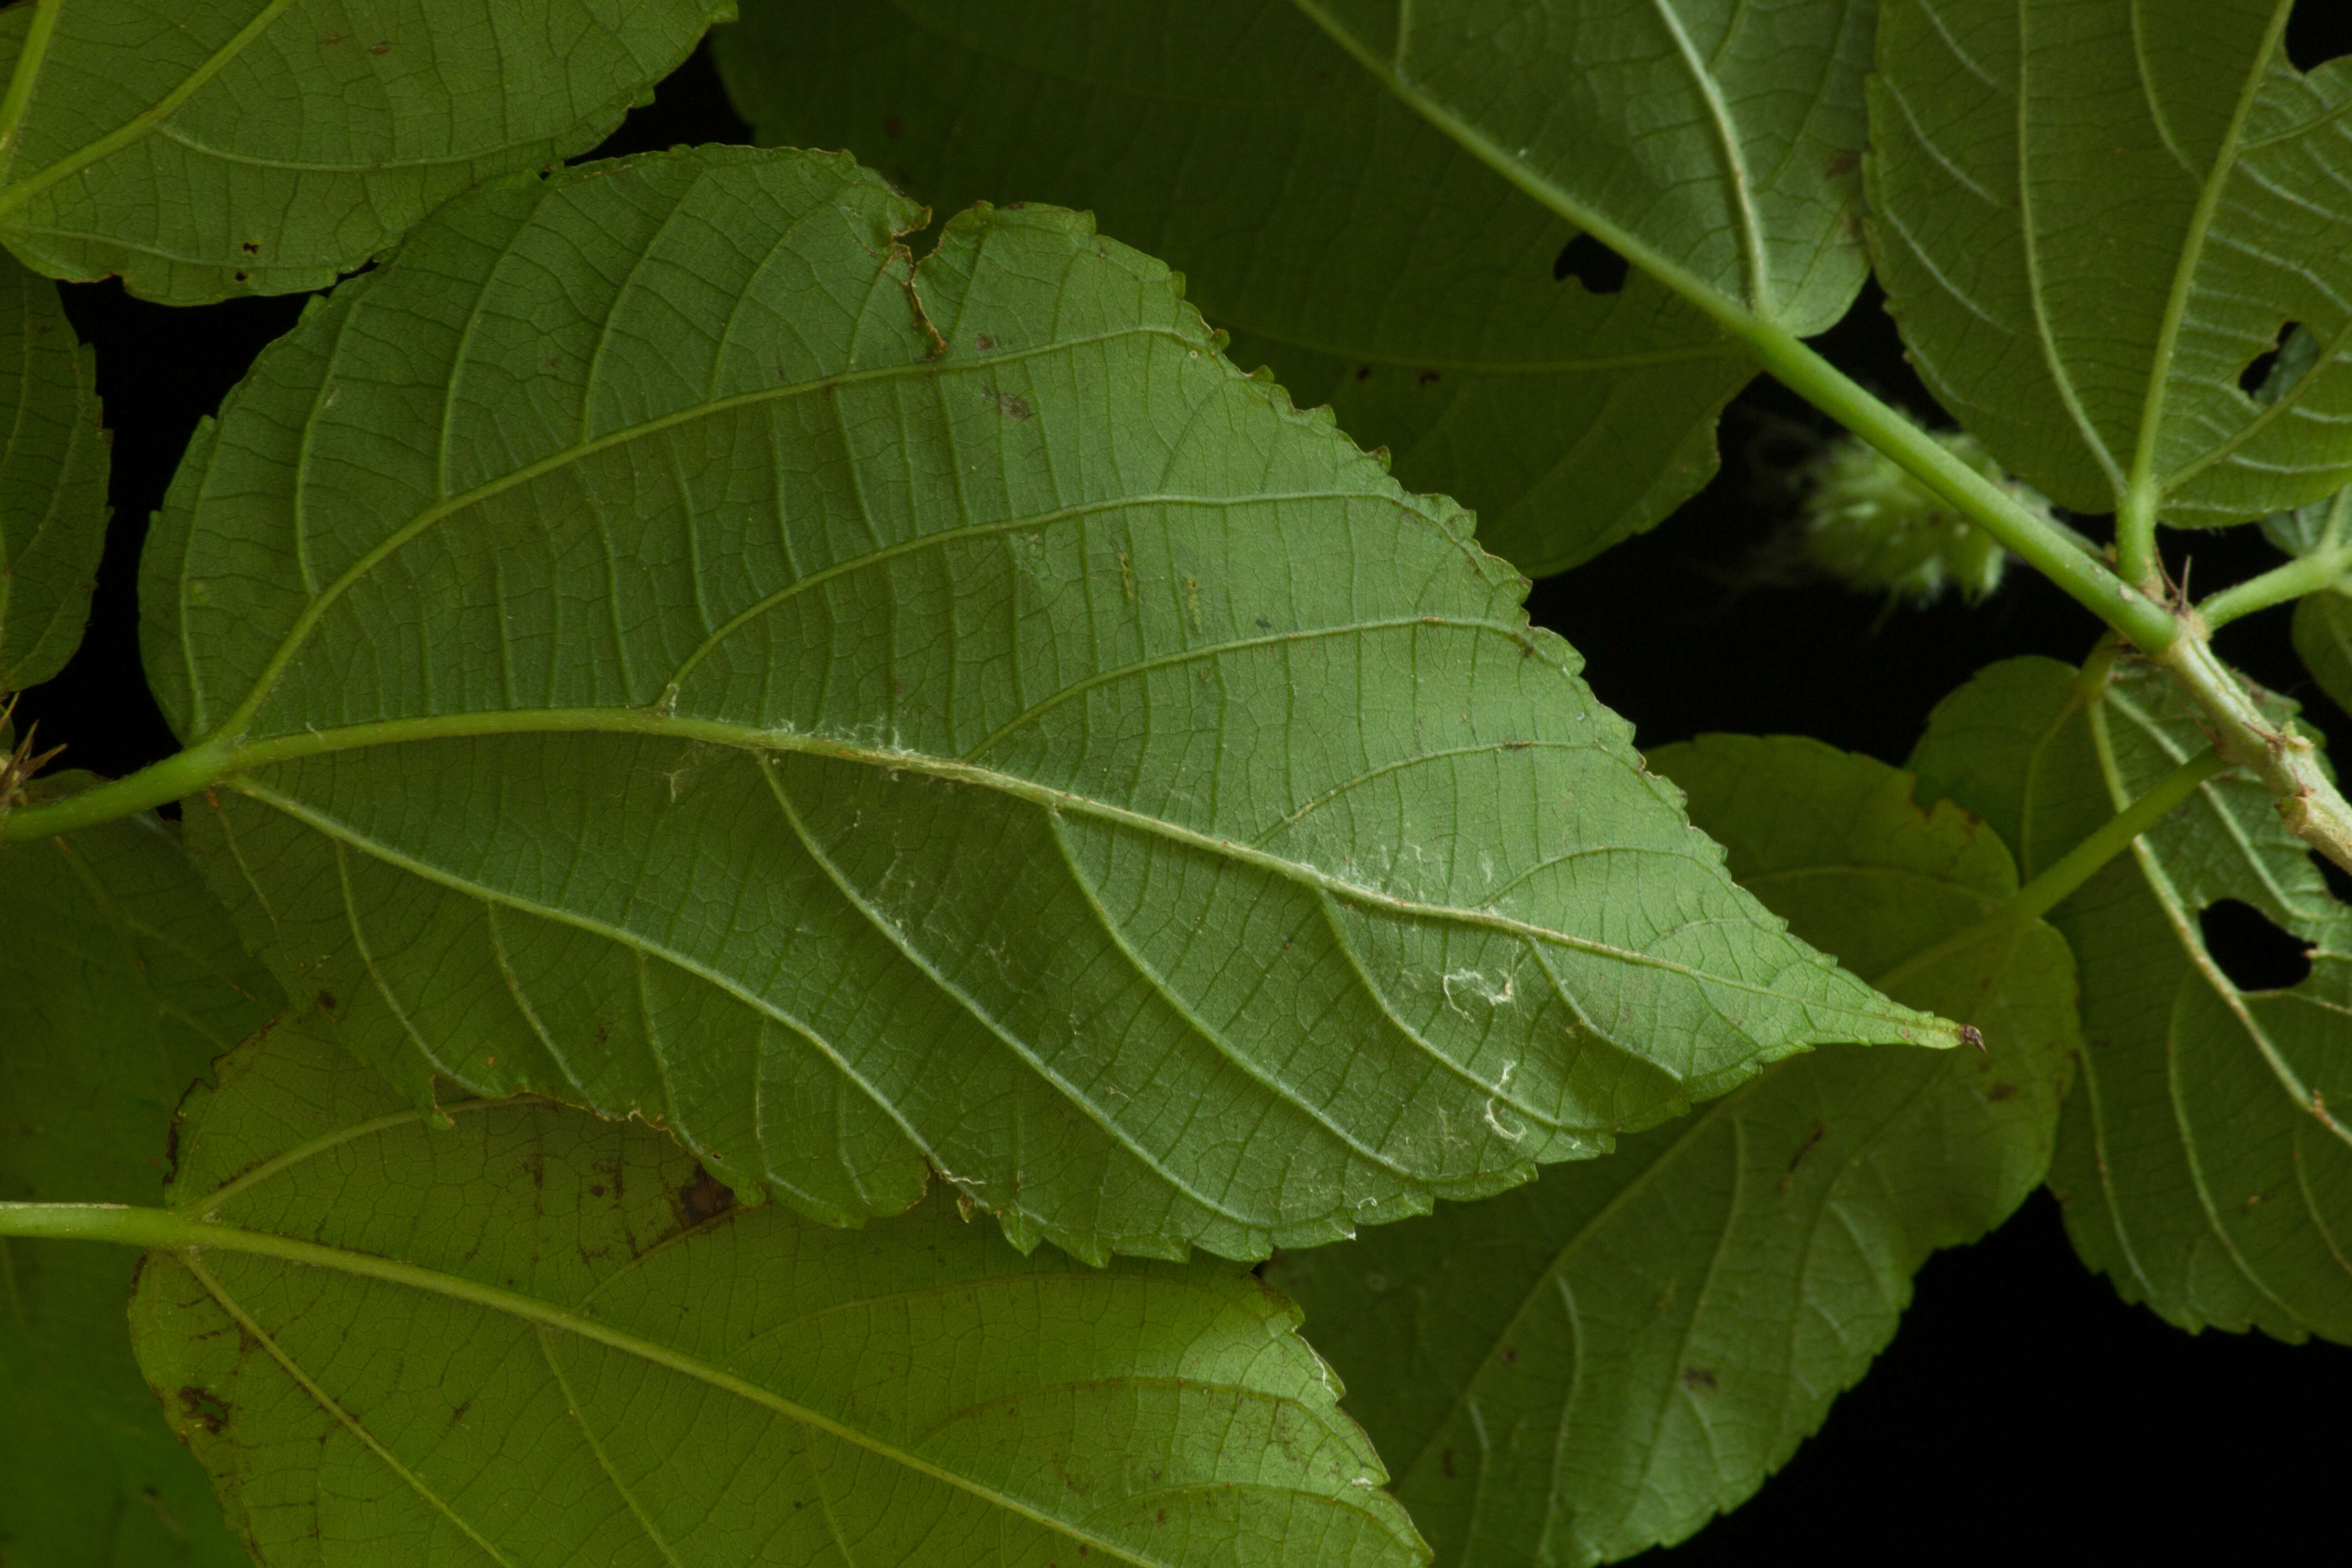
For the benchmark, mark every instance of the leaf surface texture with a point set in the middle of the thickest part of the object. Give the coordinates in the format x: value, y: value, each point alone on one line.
x: 52, y: 482
x: 120, y: 981
x: 1373, y: 261
x: 2199, y: 1161
x: 206, y: 148
x: 876, y: 722
x: 535, y: 1338
x: 2092, y: 219
x: 1602, y: 1361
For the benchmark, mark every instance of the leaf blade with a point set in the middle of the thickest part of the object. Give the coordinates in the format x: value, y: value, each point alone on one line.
x: 1596, y: 1363
x: 1435, y: 321
x: 2200, y: 1168
x: 751, y: 581
x: 53, y: 473
x: 2092, y: 221
x: 118, y: 106
x: 120, y: 980
x: 918, y: 1392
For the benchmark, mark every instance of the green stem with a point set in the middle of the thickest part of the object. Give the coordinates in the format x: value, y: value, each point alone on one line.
x: 2287, y: 762
x: 159, y: 783
x: 2033, y: 539
x: 2312, y: 574
x: 2136, y: 552
x: 102, y: 1222
x: 2081, y: 863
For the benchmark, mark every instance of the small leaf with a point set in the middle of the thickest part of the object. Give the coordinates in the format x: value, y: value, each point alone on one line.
x: 204, y: 147
x: 1438, y: 319
x: 2093, y: 220
x: 2323, y: 639
x: 2200, y: 1167
x: 120, y: 981
x: 531, y: 1337
x: 670, y: 653
x: 2323, y: 621
x: 1599, y: 1361
x: 52, y: 482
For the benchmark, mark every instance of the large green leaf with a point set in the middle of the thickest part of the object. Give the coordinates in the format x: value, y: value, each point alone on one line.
x: 120, y: 981
x: 204, y: 147
x: 536, y: 1338
x: 1600, y: 1361
x: 52, y: 482
x: 1373, y: 260
x: 2200, y: 1167
x: 666, y: 652
x: 2092, y: 217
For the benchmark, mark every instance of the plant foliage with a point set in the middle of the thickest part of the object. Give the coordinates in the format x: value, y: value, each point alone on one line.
x: 824, y: 600
x: 538, y: 1336
x: 804, y: 822
x: 1602, y: 1361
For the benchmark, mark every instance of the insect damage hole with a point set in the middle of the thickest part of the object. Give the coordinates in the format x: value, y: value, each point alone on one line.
x: 2254, y: 381
x: 2253, y: 952
x: 1601, y: 270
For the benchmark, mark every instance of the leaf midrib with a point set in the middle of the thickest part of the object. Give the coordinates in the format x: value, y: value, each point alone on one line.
x: 207, y: 1236
x: 2142, y: 478
x: 28, y: 69
x: 644, y: 722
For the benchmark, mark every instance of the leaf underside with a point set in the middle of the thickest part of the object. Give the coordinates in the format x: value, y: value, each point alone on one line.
x: 1376, y: 264
x: 1602, y: 1361
x: 204, y: 147
x: 876, y: 723
x: 52, y: 482
x: 2200, y: 1167
x: 2092, y: 219
x: 591, y: 1353
x: 120, y: 981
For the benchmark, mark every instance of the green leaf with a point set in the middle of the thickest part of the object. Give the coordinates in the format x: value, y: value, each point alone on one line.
x: 2200, y: 1165
x: 206, y: 148
x: 1715, y: 142
x: 120, y: 981
x: 2323, y: 621
x: 1600, y: 1361
x: 2092, y: 219
x: 531, y: 1337
x: 664, y: 651
x: 52, y: 482
x: 2323, y: 639
x: 1374, y: 262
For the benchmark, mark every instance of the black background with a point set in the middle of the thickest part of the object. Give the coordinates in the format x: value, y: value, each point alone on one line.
x: 2024, y: 1410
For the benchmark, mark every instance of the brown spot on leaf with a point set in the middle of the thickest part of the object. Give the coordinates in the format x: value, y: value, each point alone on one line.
x: 703, y: 1199
x: 379, y: 49
x: 1843, y: 164
x: 1510, y: 1355
x: 1697, y: 1377
x: 1445, y: 1462
x: 983, y: 341
x: 204, y: 1408
x: 595, y: 1189
x: 894, y: 127
x: 251, y: 248
x: 1426, y: 378
x: 327, y: 1003
x: 1363, y: 373
x: 2000, y: 1091
x: 1013, y: 405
